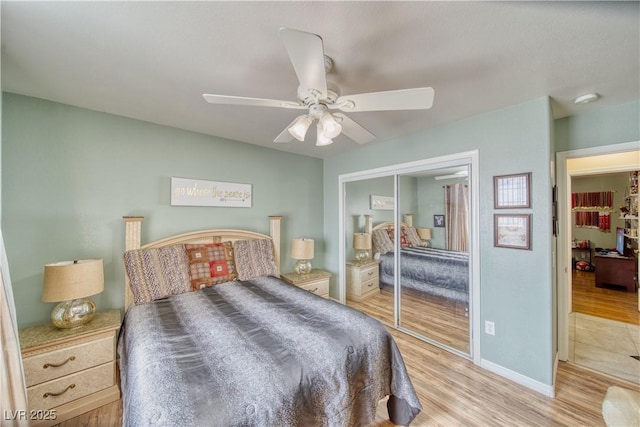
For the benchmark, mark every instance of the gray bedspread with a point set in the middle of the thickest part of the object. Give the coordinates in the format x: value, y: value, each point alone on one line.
x: 435, y: 271
x: 258, y: 353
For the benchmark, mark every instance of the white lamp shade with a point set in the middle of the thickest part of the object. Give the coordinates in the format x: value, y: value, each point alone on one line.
x: 361, y: 241
x: 424, y: 233
x: 330, y: 127
x: 69, y: 280
x: 299, y: 129
x: 322, y: 139
x: 302, y: 249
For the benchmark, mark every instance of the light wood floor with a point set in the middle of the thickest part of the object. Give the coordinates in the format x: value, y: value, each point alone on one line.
x: 611, y: 303
x: 442, y: 319
x: 455, y: 392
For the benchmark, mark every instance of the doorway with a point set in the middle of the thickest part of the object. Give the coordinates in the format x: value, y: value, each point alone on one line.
x: 588, y: 332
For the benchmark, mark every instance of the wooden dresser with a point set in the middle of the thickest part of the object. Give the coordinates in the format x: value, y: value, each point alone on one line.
x: 363, y: 280
x: 70, y: 371
x: 617, y: 270
x: 317, y: 281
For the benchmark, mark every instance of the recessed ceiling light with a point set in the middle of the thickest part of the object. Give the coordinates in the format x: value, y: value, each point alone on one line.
x: 585, y: 99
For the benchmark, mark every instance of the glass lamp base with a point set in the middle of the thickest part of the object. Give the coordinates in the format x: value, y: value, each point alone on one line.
x: 362, y: 256
x: 73, y: 314
x: 303, y: 266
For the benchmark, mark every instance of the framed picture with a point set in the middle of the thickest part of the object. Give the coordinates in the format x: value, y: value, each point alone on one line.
x: 384, y: 203
x: 438, y: 220
x: 512, y: 191
x: 512, y: 231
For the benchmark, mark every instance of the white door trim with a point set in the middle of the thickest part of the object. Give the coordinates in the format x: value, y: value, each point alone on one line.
x: 564, y: 223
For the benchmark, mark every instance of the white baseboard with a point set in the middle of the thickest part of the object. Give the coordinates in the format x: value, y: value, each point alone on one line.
x: 545, y: 389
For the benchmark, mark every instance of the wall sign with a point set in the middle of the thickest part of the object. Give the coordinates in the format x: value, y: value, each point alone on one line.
x: 198, y: 192
x: 381, y: 203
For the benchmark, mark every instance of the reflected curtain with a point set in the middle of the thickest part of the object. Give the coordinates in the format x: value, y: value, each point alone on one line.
x: 456, y: 202
x: 14, y: 395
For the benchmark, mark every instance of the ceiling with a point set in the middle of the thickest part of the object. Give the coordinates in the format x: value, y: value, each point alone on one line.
x: 153, y: 60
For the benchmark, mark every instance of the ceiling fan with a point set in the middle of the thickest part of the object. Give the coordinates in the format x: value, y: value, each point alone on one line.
x: 320, y: 97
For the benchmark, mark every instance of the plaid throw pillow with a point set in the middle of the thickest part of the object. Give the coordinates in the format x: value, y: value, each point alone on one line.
x: 210, y: 264
x: 404, y: 240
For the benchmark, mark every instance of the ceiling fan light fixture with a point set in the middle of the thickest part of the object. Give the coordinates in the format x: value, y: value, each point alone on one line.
x: 330, y: 126
x: 322, y: 139
x: 299, y: 128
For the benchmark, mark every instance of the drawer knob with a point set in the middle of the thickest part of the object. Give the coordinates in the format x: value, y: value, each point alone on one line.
x: 54, y: 365
x: 58, y: 394
x: 370, y: 284
x: 370, y: 273
x: 313, y: 290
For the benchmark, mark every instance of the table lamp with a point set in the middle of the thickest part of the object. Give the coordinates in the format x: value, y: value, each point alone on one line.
x: 424, y: 234
x: 302, y: 250
x: 362, y: 244
x: 72, y: 282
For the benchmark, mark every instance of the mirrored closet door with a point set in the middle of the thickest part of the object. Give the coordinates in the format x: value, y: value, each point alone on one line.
x: 407, y: 250
x: 433, y: 270
x: 367, y: 200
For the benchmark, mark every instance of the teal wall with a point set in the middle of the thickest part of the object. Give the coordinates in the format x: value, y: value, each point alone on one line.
x: 607, y: 126
x: 516, y: 285
x: 357, y: 204
x: 430, y: 203
x: 70, y: 174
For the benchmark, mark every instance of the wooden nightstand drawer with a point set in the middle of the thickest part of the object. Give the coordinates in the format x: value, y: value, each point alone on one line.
x: 363, y: 280
x: 69, y: 359
x: 71, y: 387
x: 366, y: 287
x: 319, y: 287
x: 368, y: 273
x: 316, y: 282
x: 80, y: 372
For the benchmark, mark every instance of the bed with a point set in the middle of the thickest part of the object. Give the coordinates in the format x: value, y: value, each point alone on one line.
x: 252, y: 352
x: 434, y: 271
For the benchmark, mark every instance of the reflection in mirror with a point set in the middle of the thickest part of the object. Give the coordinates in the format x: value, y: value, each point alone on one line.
x: 366, y: 201
x: 429, y: 264
x: 434, y: 274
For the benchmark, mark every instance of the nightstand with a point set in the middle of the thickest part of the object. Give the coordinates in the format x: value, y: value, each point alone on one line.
x: 316, y: 282
x: 363, y: 280
x: 70, y: 371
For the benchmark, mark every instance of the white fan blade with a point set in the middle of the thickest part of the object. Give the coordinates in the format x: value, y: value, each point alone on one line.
x: 405, y: 99
x: 306, y: 54
x: 256, y: 102
x: 353, y: 130
x: 285, y: 136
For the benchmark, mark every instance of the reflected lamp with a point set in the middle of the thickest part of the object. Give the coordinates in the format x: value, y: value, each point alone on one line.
x: 424, y: 234
x: 362, y: 245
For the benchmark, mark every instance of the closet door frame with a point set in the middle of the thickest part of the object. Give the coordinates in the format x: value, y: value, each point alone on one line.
x: 470, y: 158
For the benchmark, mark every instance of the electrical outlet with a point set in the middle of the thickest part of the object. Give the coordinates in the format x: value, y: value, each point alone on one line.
x: 489, y: 328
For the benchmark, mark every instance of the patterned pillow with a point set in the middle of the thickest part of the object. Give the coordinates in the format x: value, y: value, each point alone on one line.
x: 404, y: 240
x: 210, y: 264
x: 157, y: 273
x: 381, y: 241
x: 254, y: 258
x: 412, y: 236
